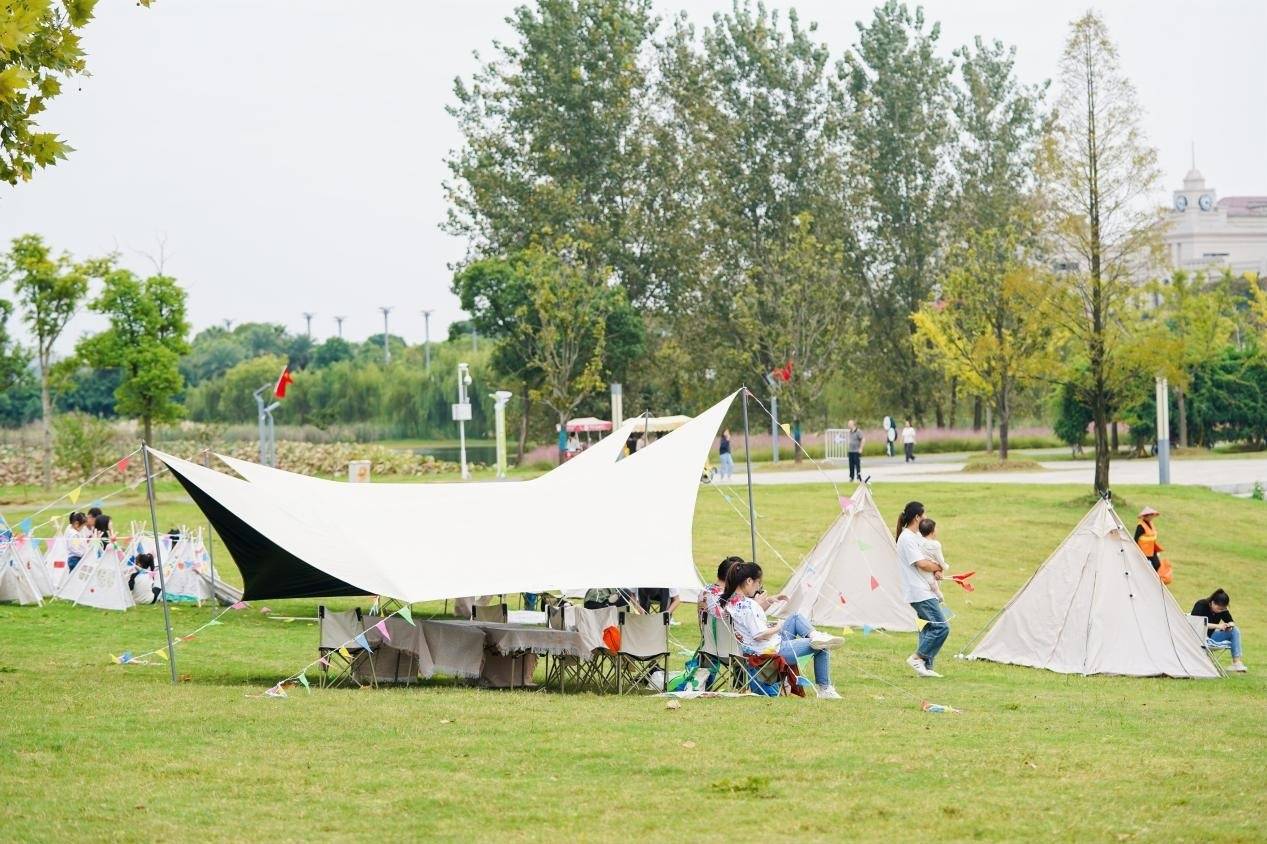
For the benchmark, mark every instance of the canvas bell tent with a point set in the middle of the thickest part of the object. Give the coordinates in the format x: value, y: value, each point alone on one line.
x: 568, y: 529
x: 1097, y: 607
x: 852, y: 577
x: 27, y: 550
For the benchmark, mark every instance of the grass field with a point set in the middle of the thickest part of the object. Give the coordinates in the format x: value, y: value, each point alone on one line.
x: 96, y: 751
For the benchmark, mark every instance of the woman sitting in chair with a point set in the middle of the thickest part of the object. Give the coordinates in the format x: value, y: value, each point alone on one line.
x: 1220, y: 628
x: 791, y: 638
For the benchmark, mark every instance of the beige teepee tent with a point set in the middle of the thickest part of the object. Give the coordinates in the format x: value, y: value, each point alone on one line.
x: 1097, y: 607
x: 852, y: 577
x: 16, y: 585
x: 100, y: 580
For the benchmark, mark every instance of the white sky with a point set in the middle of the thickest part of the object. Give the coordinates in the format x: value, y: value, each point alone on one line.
x: 291, y: 152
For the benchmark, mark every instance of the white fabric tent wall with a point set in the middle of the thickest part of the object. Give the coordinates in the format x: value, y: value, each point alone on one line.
x: 1097, y: 607
x: 99, y: 581
x: 55, y: 558
x: 591, y: 522
x: 182, y: 573
x: 852, y: 577
x: 28, y: 553
x: 16, y: 585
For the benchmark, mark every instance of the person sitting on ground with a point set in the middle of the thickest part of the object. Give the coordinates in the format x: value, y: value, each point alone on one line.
x: 932, y: 548
x: 710, y: 598
x: 101, y: 530
x: 76, y: 534
x: 791, y: 638
x: 144, y: 588
x: 922, y: 599
x: 1146, y: 537
x: 1220, y: 628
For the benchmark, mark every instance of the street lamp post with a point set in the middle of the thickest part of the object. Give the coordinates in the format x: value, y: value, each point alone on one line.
x: 339, y: 322
x: 462, y: 413
x: 308, y: 315
x: 387, y: 354
x: 426, y: 339
x: 268, y: 432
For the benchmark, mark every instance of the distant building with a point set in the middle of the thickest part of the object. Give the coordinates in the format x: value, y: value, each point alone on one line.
x: 1206, y: 233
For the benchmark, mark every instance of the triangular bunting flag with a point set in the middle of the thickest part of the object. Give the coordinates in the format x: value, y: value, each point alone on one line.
x: 866, y: 629
x: 345, y: 653
x: 324, y: 661
x: 240, y: 605
x: 73, y: 495
x: 846, y: 503
x: 161, y: 654
x: 363, y: 642
x: 382, y: 628
x: 214, y: 622
x: 875, y: 584
x: 122, y: 465
x: 303, y: 681
x: 276, y: 691
x: 406, y: 613
x: 24, y: 526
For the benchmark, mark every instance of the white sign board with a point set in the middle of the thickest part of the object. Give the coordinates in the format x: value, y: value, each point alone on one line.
x: 462, y: 412
x: 359, y: 472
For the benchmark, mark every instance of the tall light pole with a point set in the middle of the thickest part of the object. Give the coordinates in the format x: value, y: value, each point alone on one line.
x: 308, y: 315
x: 499, y: 416
x: 475, y: 338
x: 1163, y: 430
x: 462, y: 413
x: 228, y: 324
x: 387, y: 354
x: 339, y: 322
x: 426, y: 339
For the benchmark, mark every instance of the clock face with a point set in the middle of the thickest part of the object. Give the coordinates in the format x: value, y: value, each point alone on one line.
x: 1181, y: 203
x: 1206, y: 202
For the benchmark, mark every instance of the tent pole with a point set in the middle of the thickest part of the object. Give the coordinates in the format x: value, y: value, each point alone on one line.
x: 211, y: 547
x: 747, y: 459
x: 158, y: 562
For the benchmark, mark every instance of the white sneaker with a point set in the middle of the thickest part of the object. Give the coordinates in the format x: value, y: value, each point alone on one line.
x: 820, y: 641
x: 1238, y: 667
x: 916, y: 663
x: 928, y: 672
x: 828, y: 693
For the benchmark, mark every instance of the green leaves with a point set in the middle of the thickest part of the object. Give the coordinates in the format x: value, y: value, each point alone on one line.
x: 13, y: 80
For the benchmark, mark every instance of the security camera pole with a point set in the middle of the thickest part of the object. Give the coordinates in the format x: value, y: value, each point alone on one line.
x: 426, y: 339
x: 387, y: 353
x: 462, y: 413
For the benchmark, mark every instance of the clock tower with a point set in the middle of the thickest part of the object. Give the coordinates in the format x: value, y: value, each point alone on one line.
x: 1195, y: 196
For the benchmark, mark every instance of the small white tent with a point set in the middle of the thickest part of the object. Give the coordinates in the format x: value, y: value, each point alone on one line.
x: 56, y: 555
x: 852, y: 577
x: 16, y: 584
x: 100, y: 580
x: 1097, y: 607
x: 27, y: 550
x: 183, y: 573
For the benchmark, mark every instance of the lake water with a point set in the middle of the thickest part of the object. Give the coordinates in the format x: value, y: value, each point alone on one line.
x: 475, y: 452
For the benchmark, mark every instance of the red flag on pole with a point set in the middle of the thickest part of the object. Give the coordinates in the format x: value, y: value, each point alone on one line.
x: 122, y: 465
x: 282, y: 383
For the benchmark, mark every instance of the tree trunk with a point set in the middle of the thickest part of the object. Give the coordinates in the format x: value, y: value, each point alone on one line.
x: 1005, y: 413
x: 523, y: 426
x: 1183, y: 418
x: 989, y: 429
x: 939, y: 416
x: 977, y: 413
x: 148, y: 423
x: 798, y: 454
x: 46, y: 407
x: 954, y: 400
x: 1114, y: 445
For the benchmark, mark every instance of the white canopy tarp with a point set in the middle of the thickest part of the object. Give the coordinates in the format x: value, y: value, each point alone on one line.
x: 594, y: 521
x: 852, y: 577
x: 1097, y: 607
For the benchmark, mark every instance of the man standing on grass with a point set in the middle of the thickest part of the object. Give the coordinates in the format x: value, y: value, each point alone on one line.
x: 908, y: 441
x: 854, y: 447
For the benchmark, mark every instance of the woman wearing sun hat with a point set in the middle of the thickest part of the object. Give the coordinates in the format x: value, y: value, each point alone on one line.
x: 1146, y: 537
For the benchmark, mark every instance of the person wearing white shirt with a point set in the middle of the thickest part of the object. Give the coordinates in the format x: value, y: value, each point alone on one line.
x: 908, y: 442
x: 76, y: 534
x: 921, y: 597
x: 142, y: 582
x: 791, y: 638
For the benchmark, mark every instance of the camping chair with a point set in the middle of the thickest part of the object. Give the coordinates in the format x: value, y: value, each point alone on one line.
x: 498, y: 613
x: 644, y: 649
x: 599, y: 669
x: 720, y: 653
x: 334, y: 631
x: 1200, y: 626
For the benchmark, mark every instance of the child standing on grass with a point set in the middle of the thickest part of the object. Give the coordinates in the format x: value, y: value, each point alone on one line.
x: 932, y: 550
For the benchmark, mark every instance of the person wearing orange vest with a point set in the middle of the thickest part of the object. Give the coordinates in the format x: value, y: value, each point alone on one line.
x: 1146, y: 537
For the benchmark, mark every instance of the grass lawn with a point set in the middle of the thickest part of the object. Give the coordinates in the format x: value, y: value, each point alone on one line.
x: 93, y: 750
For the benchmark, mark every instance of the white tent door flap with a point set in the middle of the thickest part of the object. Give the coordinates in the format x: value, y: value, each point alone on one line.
x: 852, y: 577
x: 1097, y: 607
x: 16, y: 585
x: 98, y: 581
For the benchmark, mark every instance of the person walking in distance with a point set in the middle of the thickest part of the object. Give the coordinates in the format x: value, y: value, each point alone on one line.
x: 854, y: 446
x: 727, y: 460
x: 908, y: 441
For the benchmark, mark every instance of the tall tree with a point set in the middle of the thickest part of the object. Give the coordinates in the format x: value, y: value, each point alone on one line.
x: 50, y: 289
x: 147, y: 335
x: 1099, y: 171
x: 747, y: 115
x: 15, y: 361
x: 550, y: 147
x: 896, y: 109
